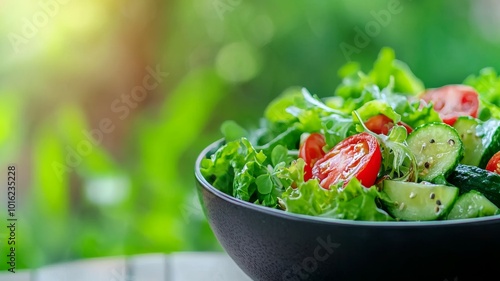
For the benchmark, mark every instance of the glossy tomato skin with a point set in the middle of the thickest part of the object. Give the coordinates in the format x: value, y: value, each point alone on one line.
x: 357, y: 156
x: 453, y: 101
x: 381, y: 124
x: 494, y: 163
x: 311, y: 150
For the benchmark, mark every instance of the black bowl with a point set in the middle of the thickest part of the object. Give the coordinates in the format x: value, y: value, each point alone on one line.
x: 270, y: 244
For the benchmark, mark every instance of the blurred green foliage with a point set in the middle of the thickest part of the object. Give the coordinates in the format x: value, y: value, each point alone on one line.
x: 133, y: 192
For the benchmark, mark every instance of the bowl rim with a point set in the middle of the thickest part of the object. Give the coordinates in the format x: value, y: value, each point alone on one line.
x: 322, y: 220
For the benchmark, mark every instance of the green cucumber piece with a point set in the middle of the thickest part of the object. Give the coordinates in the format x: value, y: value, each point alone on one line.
x: 411, y: 201
x: 480, y: 139
x: 438, y: 150
x: 489, y: 132
x: 473, y: 145
x: 472, y: 204
x: 469, y: 178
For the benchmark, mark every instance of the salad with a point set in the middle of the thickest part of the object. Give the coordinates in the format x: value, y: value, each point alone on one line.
x: 383, y: 147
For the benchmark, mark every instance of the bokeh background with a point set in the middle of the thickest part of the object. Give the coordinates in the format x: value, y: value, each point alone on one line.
x: 104, y: 105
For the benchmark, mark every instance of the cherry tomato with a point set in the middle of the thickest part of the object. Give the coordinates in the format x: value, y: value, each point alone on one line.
x: 311, y: 150
x: 494, y: 163
x: 357, y: 156
x: 453, y: 101
x: 381, y: 124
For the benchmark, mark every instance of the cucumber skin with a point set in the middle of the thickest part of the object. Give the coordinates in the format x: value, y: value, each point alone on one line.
x: 468, y: 178
x: 492, y: 144
x: 471, y: 197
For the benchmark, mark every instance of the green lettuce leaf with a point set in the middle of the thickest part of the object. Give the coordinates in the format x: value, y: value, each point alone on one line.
x: 385, y: 68
x: 487, y: 84
x: 413, y: 112
x: 354, y: 202
x: 239, y: 170
x: 376, y: 107
x: 290, y: 115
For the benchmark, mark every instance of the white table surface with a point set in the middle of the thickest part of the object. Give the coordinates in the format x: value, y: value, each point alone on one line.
x: 184, y: 266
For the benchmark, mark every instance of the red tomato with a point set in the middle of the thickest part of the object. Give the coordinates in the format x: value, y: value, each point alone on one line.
x: 452, y: 101
x: 494, y: 163
x: 381, y: 124
x: 357, y: 156
x: 311, y: 150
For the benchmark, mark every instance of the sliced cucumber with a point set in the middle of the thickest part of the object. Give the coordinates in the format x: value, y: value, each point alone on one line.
x: 418, y: 201
x: 489, y: 132
x: 473, y: 145
x: 472, y: 204
x: 480, y: 139
x: 469, y: 178
x: 438, y: 149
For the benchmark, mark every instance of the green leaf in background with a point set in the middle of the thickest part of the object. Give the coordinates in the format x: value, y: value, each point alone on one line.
x: 51, y: 179
x: 50, y: 196
x: 79, y: 142
x: 12, y: 127
x: 161, y: 148
x: 232, y: 131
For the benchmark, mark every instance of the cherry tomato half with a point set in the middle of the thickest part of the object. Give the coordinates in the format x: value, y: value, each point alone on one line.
x: 357, y: 156
x: 494, y: 163
x: 381, y: 124
x: 311, y: 150
x: 453, y: 101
